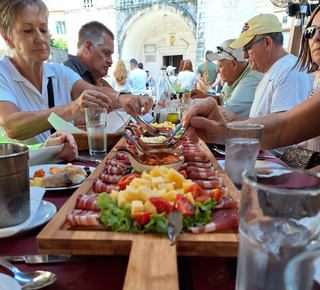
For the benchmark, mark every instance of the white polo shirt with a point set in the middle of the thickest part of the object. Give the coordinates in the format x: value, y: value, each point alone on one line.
x: 17, y: 89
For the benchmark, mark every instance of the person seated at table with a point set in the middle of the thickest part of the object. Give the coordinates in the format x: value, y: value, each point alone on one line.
x: 282, y: 87
x: 25, y: 79
x: 290, y: 127
x: 121, y: 79
x: 240, y: 81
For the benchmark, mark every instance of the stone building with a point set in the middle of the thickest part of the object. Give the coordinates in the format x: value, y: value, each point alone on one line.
x: 158, y: 33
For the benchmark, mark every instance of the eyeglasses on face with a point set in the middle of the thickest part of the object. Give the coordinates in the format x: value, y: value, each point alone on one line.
x: 248, y: 46
x: 220, y: 49
x: 310, y: 32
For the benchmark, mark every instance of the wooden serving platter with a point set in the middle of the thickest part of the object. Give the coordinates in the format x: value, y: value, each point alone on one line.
x: 152, y: 260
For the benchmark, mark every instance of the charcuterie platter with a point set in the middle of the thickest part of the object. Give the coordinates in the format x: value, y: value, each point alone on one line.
x: 146, y: 269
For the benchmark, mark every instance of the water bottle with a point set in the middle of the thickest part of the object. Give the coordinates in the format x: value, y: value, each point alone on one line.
x: 163, y: 95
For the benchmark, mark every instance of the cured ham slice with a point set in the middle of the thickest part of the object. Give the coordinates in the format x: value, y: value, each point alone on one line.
x: 123, y: 156
x: 116, y: 163
x: 98, y: 186
x: 113, y: 170
x: 194, y: 154
x: 197, y: 159
x: 87, y: 201
x: 212, y: 183
x: 227, y: 202
x: 200, y: 169
x: 110, y: 178
x: 201, y: 175
x: 81, y: 217
x: 222, y: 219
x: 199, y: 164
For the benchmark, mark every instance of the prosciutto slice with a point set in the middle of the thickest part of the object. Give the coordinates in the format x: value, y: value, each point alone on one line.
x: 110, y: 178
x: 197, y: 159
x: 200, y: 169
x: 227, y: 202
x: 113, y: 170
x: 87, y: 201
x: 81, y: 217
x: 199, y: 164
x: 212, y: 183
x: 222, y: 219
x: 98, y: 186
x: 123, y: 156
x: 116, y: 163
x: 201, y: 175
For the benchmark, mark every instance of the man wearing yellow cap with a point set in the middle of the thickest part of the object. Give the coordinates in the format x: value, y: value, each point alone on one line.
x: 281, y: 88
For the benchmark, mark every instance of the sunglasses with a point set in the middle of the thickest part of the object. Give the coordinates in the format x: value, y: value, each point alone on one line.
x: 310, y: 32
x: 220, y: 49
x: 248, y: 46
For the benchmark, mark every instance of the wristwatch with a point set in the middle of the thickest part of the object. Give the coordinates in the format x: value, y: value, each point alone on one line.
x: 121, y: 93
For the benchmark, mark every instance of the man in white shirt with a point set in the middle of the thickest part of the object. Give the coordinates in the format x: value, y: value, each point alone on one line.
x: 282, y: 87
x: 139, y: 78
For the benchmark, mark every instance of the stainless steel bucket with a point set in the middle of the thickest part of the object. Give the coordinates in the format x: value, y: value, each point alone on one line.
x: 14, y: 184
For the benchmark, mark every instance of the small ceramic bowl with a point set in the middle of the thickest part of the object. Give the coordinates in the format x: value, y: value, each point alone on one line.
x: 138, y: 162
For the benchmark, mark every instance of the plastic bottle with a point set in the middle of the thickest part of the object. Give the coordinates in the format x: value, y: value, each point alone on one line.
x: 162, y: 95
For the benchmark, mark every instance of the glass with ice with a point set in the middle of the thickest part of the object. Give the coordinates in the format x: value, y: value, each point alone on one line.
x: 242, y: 148
x: 96, y: 121
x: 279, y: 217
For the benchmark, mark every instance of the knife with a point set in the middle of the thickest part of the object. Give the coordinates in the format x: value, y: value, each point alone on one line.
x: 38, y: 259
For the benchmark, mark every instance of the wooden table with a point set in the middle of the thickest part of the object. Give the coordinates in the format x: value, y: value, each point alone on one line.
x: 152, y: 261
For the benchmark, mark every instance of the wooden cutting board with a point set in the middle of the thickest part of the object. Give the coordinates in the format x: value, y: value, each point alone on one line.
x: 152, y: 260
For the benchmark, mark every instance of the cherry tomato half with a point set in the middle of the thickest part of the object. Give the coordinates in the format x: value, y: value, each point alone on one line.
x: 184, y: 205
x: 215, y: 193
x: 125, y: 180
x: 202, y: 198
x: 195, y: 189
x: 161, y: 205
x: 141, y: 217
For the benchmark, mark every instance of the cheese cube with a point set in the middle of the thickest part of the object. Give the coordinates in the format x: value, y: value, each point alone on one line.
x: 149, y: 207
x: 131, y: 193
x: 156, y: 180
x: 136, y: 206
x: 140, y: 181
x: 155, y: 172
x: 122, y: 199
x: 164, y: 169
x: 114, y: 194
x: 166, y: 186
x: 145, y: 193
x: 169, y: 196
x: 175, y: 176
x: 32, y: 182
x: 146, y: 175
x: 38, y: 181
x: 190, y: 197
x: 186, y: 185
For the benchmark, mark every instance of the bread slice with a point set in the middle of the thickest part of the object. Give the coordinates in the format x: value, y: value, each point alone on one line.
x: 73, y: 169
x: 62, y: 179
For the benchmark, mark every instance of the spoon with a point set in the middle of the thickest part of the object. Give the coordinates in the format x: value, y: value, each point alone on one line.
x: 32, y: 280
x: 130, y: 138
x: 155, y: 131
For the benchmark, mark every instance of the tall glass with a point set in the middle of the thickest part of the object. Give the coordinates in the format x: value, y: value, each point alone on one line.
x: 242, y: 148
x: 96, y: 121
x: 279, y: 217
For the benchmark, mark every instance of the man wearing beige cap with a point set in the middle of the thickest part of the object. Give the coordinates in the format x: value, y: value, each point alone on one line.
x: 282, y: 87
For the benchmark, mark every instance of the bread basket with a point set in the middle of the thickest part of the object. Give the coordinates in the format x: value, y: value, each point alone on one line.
x: 82, y: 139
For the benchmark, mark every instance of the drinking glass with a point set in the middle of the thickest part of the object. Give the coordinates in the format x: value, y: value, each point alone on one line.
x: 96, y: 121
x: 279, y: 218
x: 173, y: 111
x: 242, y: 148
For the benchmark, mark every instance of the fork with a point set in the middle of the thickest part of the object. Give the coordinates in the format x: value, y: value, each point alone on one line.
x: 174, y: 143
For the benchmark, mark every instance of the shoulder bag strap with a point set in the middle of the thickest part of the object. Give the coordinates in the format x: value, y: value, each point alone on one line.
x: 50, y: 98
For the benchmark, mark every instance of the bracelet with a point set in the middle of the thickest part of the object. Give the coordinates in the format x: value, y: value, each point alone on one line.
x: 117, y: 98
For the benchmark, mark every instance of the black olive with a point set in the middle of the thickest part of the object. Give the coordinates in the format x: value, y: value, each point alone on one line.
x: 127, y: 170
x: 87, y: 169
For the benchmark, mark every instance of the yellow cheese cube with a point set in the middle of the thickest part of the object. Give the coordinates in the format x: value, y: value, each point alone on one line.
x: 169, y: 196
x: 164, y: 169
x: 32, y: 183
x: 122, y: 199
x: 155, y: 172
x: 145, y: 193
x: 38, y: 181
x: 114, y: 194
x: 156, y: 180
x: 175, y: 176
x: 187, y: 185
x: 140, y: 181
x: 146, y: 175
x: 149, y: 207
x: 190, y: 197
x: 179, y: 190
x: 136, y: 206
x: 131, y: 193
x: 166, y: 186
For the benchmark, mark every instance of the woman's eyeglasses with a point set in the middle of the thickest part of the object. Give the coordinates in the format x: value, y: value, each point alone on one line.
x: 310, y: 32
x: 220, y: 49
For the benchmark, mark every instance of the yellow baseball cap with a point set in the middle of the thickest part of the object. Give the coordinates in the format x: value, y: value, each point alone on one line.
x: 261, y: 24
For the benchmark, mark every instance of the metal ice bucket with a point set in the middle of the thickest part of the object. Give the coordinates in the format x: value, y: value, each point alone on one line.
x: 14, y: 184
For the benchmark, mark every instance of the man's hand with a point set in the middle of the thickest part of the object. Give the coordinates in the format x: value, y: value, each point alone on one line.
x: 206, y: 122
x: 133, y: 104
x: 69, y: 151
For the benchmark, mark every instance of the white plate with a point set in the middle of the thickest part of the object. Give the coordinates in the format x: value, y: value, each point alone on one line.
x: 259, y: 163
x: 44, y: 155
x: 45, y: 212
x: 267, y: 164
x: 46, y: 168
x: 8, y: 283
